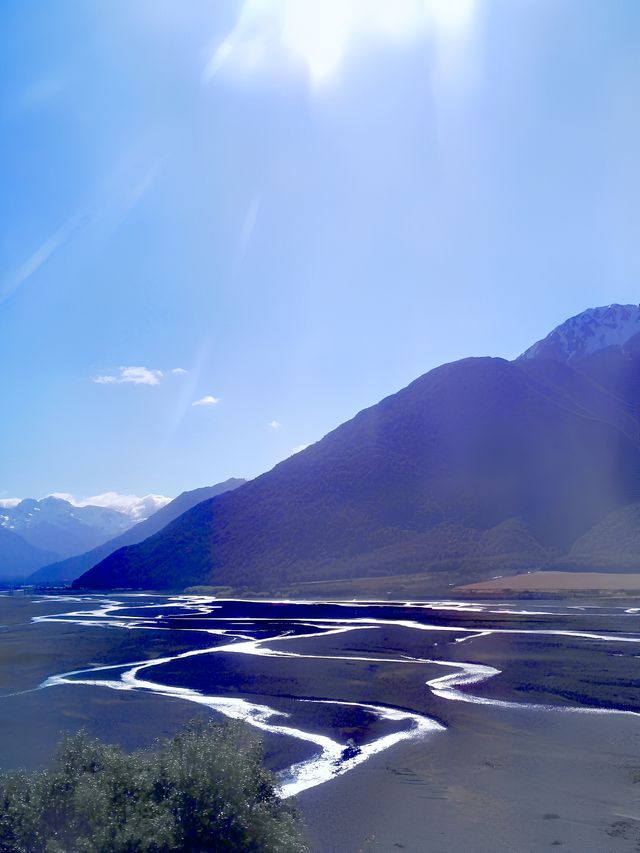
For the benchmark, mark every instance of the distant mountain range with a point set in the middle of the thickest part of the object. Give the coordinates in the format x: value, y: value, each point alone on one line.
x: 477, y: 466
x: 51, y: 528
x: 60, y: 527
x: 67, y: 570
x: 18, y: 558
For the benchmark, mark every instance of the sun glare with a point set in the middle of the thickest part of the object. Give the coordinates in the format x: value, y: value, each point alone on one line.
x: 318, y: 32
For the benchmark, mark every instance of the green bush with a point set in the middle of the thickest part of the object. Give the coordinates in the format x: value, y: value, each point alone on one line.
x: 203, y: 790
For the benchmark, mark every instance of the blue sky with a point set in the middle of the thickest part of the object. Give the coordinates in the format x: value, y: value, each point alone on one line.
x: 294, y: 209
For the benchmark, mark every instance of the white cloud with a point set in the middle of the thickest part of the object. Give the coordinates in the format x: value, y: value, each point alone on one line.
x: 298, y: 448
x: 9, y: 502
x: 189, y: 386
x: 131, y: 375
x: 179, y: 371
x: 274, y: 424
x: 137, y: 508
x: 208, y: 400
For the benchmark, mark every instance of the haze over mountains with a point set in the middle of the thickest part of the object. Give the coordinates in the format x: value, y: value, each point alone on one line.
x: 67, y: 570
x: 18, y: 558
x: 477, y: 466
x: 44, y: 530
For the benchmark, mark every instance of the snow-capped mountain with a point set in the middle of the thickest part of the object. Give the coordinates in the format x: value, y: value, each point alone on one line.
x: 593, y: 330
x: 136, y: 507
x: 55, y: 525
x: 72, y: 567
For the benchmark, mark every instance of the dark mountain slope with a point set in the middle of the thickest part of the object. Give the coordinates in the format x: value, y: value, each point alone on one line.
x: 611, y: 545
x: 67, y: 570
x: 412, y: 484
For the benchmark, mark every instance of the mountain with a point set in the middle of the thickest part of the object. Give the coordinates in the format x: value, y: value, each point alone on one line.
x: 478, y: 464
x: 67, y: 570
x: 59, y: 527
x: 613, y: 543
x: 18, y: 557
x: 594, y: 330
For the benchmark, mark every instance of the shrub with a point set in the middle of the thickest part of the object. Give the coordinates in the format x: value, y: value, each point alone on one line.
x: 204, y: 790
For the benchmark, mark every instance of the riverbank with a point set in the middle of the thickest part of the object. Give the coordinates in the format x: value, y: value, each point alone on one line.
x: 497, y: 781
x: 493, y: 779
